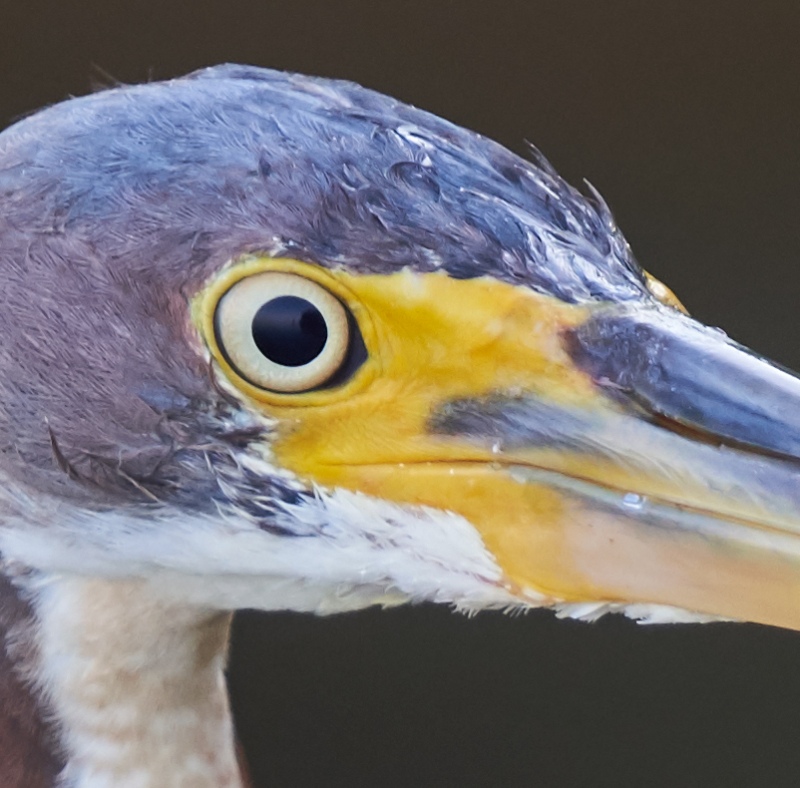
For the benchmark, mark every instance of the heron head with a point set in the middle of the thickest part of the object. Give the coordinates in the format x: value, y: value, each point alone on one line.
x: 278, y: 342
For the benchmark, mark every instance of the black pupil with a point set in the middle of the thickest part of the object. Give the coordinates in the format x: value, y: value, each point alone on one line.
x: 290, y: 331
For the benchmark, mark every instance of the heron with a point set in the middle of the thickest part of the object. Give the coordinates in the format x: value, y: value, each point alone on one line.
x: 279, y: 342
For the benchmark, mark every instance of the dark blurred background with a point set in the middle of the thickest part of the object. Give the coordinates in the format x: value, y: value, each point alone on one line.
x: 685, y: 116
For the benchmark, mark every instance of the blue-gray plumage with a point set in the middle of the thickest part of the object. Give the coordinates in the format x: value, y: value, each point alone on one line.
x: 232, y: 159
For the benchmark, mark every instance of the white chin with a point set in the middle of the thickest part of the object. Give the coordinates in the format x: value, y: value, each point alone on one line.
x: 356, y: 551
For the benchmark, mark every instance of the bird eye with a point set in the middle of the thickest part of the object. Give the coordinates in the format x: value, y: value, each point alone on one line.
x: 282, y: 332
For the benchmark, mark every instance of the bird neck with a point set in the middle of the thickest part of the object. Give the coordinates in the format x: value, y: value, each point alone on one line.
x: 136, y: 685
x: 29, y: 753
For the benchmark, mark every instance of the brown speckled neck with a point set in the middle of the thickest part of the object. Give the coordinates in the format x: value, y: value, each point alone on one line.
x: 29, y: 756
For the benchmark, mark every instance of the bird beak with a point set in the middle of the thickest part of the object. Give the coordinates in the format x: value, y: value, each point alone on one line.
x: 613, y: 453
x: 682, y: 490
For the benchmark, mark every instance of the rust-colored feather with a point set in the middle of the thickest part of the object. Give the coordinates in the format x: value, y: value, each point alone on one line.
x: 28, y: 755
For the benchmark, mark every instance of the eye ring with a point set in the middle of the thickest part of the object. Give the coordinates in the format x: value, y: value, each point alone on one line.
x: 282, y: 332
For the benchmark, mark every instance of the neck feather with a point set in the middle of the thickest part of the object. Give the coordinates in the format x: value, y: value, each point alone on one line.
x: 136, y: 685
x: 29, y: 753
